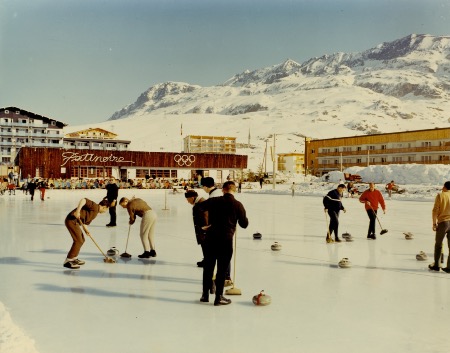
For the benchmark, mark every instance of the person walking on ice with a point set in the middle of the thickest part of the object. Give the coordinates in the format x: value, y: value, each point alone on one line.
x: 441, y: 225
x: 138, y: 207
x: 372, y: 198
x: 223, y: 214
x: 333, y: 205
x: 85, y: 213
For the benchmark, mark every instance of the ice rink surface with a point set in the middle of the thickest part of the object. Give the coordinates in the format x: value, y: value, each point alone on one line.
x: 386, y: 302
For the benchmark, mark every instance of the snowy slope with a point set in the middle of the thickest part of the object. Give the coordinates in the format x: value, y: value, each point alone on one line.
x: 396, y: 86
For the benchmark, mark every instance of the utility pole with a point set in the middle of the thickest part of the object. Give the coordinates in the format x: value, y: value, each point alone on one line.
x: 274, y: 161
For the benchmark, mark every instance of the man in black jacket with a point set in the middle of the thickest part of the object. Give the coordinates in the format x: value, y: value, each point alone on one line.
x: 112, y: 193
x: 200, y: 218
x: 333, y: 205
x: 224, y: 213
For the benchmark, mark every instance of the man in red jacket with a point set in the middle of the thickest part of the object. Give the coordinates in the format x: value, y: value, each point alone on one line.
x: 371, y: 198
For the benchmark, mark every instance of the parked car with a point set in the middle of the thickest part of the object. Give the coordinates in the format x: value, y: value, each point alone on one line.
x: 279, y: 179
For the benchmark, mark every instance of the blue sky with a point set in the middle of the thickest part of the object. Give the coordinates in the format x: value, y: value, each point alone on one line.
x: 79, y: 61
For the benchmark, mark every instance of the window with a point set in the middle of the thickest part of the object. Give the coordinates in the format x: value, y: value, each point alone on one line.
x: 347, y: 149
x: 336, y: 150
x: 397, y: 159
x: 371, y: 147
x: 425, y: 158
x: 383, y: 147
x: 358, y: 160
x: 358, y: 148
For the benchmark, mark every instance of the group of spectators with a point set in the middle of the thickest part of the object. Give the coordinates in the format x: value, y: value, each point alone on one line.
x: 84, y: 183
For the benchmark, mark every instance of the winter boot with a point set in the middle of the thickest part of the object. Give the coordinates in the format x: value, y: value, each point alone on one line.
x: 71, y: 264
x: 152, y: 253
x: 145, y: 255
x: 221, y: 300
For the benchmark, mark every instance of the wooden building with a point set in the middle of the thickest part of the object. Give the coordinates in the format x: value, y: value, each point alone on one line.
x: 431, y: 146
x: 64, y: 163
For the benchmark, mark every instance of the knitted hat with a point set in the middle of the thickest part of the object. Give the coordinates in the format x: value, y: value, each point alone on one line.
x: 208, y: 182
x: 190, y: 193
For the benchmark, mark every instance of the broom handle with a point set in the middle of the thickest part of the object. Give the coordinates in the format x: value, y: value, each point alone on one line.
x: 326, y: 221
x: 376, y: 216
x: 90, y: 236
x: 128, y: 237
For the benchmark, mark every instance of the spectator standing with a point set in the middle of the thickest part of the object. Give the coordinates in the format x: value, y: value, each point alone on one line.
x: 441, y: 225
x: 389, y: 187
x: 112, y: 193
x: 42, y: 185
x: 200, y: 218
x: 32, y: 187
x: 224, y: 213
x: 210, y: 188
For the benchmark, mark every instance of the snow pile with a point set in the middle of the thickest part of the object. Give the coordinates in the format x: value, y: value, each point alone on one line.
x: 432, y: 174
x: 12, y: 339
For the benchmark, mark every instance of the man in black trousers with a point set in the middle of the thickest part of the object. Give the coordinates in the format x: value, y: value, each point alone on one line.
x: 224, y: 213
x: 112, y: 193
x: 333, y: 205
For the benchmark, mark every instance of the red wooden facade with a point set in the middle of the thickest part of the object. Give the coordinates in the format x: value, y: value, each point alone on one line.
x: 59, y: 162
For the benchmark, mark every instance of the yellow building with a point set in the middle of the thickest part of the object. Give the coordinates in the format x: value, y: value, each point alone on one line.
x: 291, y: 162
x: 420, y: 146
x: 210, y: 144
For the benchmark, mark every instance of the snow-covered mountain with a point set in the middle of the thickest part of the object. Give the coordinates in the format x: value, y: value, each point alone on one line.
x: 396, y: 86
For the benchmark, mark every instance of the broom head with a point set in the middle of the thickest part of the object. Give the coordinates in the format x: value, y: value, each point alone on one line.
x: 233, y: 291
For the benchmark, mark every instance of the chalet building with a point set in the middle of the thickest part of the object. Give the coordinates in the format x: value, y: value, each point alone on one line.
x: 291, y: 163
x: 210, y: 144
x: 420, y: 146
x: 94, y: 139
x: 20, y: 128
x: 76, y: 163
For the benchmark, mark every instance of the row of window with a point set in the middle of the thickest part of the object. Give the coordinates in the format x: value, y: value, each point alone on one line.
x: 397, y: 159
x: 22, y: 121
x: 381, y: 147
x: 35, y: 131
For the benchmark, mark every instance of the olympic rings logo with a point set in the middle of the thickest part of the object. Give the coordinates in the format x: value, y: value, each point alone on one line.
x: 184, y: 159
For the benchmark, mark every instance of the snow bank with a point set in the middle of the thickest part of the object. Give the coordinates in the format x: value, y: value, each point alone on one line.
x: 12, y: 339
x: 432, y: 174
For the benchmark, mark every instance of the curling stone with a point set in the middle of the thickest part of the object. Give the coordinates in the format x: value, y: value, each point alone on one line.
x: 276, y: 246
x: 347, y: 236
x: 421, y: 256
x: 257, y: 235
x: 345, y: 263
x: 409, y: 235
x: 262, y: 299
x: 112, y: 252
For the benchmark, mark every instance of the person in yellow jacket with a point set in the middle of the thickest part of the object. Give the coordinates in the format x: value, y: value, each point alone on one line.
x: 441, y: 225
